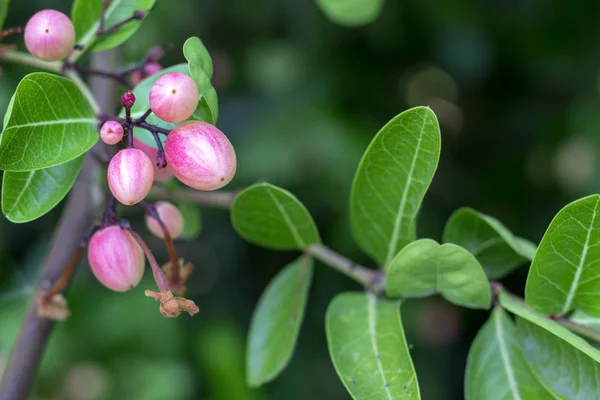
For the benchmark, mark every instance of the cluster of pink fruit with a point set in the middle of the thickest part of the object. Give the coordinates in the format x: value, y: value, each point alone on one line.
x: 196, y: 153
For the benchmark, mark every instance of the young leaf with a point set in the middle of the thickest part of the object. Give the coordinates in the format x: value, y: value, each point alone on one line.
x: 29, y: 195
x: 424, y: 267
x: 85, y: 15
x: 565, y: 272
x: 272, y: 217
x: 496, y: 248
x: 368, y: 349
x: 192, y: 225
x: 564, y: 370
x: 351, y: 12
x: 496, y: 366
x: 208, y: 108
x: 3, y: 11
x: 276, y: 322
x: 516, y: 307
x: 195, y: 52
x: 586, y: 320
x: 391, y: 181
x: 50, y: 123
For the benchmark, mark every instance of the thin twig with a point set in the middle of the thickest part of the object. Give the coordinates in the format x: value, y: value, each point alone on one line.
x: 18, y: 57
x: 214, y: 199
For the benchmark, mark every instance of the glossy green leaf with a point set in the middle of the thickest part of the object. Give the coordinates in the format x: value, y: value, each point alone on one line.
x: 564, y: 370
x: 276, y: 322
x: 272, y: 217
x: 586, y: 320
x: 3, y: 11
x: 519, y: 308
x: 496, y: 248
x: 85, y: 15
x: 192, y: 220
x: 208, y: 107
x: 351, y: 12
x: 425, y: 267
x: 368, y: 348
x: 391, y: 181
x: 565, y: 272
x: 50, y: 123
x: 31, y: 194
x: 8, y: 111
x: 496, y: 366
x: 195, y: 52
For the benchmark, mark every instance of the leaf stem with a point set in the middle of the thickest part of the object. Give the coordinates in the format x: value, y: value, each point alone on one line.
x: 214, y: 199
x: 370, y: 279
x: 17, y: 57
x: 74, y: 76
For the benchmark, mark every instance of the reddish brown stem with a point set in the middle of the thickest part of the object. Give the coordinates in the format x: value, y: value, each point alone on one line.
x: 11, y: 31
x: 159, y: 275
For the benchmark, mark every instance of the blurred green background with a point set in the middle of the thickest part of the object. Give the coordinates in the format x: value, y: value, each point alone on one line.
x: 515, y: 87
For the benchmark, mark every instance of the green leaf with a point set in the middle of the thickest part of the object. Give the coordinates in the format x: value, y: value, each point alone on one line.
x: 86, y: 20
x: 496, y: 248
x: 565, y: 272
x: 3, y: 11
x: 208, y: 107
x: 391, y: 181
x: 368, y: 348
x: 564, y: 370
x: 50, y: 123
x: 272, y: 217
x: 516, y: 307
x: 192, y: 220
x: 276, y: 322
x: 586, y: 320
x: 424, y: 267
x: 351, y: 12
x: 195, y: 52
x: 496, y: 367
x: 29, y: 195
x: 8, y: 111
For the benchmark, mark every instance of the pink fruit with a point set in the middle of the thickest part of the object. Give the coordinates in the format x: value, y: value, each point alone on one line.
x: 116, y: 259
x: 130, y: 175
x: 174, y: 97
x: 200, y: 155
x: 170, y: 216
x: 49, y: 35
x: 160, y: 174
x: 111, y: 132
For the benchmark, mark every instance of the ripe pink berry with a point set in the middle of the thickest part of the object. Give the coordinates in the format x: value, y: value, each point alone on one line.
x: 160, y: 174
x: 200, y: 155
x: 170, y: 216
x: 174, y: 97
x: 128, y: 99
x: 49, y: 35
x: 130, y: 176
x: 149, y: 70
x: 111, y: 132
x: 116, y: 259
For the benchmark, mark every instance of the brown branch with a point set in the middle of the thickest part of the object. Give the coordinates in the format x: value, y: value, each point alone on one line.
x: 78, y: 215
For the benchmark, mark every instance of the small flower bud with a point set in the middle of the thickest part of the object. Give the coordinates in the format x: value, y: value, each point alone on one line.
x: 174, y: 97
x: 130, y: 175
x: 50, y: 35
x: 128, y: 99
x: 200, y: 155
x: 155, y: 53
x: 170, y: 216
x: 160, y: 174
x: 111, y: 132
x: 116, y: 259
x: 139, y: 14
x: 149, y: 70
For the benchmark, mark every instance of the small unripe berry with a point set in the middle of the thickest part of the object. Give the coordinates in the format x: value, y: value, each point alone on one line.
x: 160, y: 174
x: 174, y: 97
x: 50, y: 35
x: 149, y: 70
x: 128, y: 99
x: 116, y: 259
x: 170, y: 216
x: 111, y: 132
x: 130, y: 175
x: 200, y: 155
